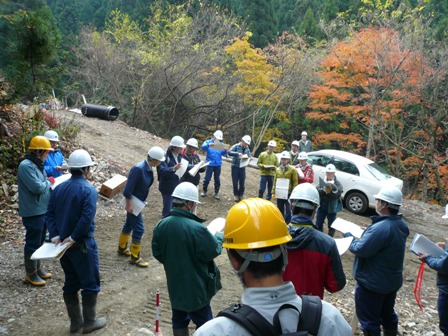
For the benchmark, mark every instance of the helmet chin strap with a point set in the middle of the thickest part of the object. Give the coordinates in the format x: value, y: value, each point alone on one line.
x: 265, y: 256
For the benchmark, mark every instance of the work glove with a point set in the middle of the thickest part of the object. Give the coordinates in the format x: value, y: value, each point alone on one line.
x: 51, y: 179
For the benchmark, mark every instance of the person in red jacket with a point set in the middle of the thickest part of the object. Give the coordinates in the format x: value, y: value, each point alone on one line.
x: 314, y: 263
x: 304, y: 169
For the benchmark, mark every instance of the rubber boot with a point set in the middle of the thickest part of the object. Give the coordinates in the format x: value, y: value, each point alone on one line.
x: 204, y: 191
x: 40, y: 272
x: 135, y: 255
x: 74, y: 311
x: 390, y: 332
x: 123, y: 244
x: 181, y: 332
x: 31, y: 272
x: 216, y: 194
x: 369, y: 333
x: 91, y: 323
x: 236, y: 199
x: 331, y: 232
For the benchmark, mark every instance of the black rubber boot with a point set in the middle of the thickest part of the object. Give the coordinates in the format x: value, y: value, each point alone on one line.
x: 331, y: 232
x: 204, y: 191
x: 216, y: 194
x: 390, y: 332
x: 74, y: 311
x: 181, y: 332
x: 31, y: 272
x: 91, y: 323
x: 369, y: 333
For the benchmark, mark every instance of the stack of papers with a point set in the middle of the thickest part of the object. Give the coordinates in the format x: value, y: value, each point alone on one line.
x: 193, y: 171
x: 345, y: 226
x: 216, y: 225
x: 137, y: 205
x: 50, y: 251
x: 343, y: 244
x: 58, y: 180
x: 183, y: 168
x: 421, y: 244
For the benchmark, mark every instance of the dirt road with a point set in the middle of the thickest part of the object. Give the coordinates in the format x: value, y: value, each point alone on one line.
x: 127, y: 298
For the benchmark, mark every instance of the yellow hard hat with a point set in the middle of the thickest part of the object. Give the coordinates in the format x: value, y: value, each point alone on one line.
x: 254, y: 223
x: 40, y: 142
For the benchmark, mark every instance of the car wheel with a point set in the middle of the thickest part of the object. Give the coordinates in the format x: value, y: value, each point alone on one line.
x: 356, y: 202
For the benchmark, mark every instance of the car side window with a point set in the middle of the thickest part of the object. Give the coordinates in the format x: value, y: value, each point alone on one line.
x: 319, y: 160
x: 346, y: 167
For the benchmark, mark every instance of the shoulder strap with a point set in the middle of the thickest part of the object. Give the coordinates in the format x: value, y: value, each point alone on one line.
x: 311, y: 314
x: 250, y: 319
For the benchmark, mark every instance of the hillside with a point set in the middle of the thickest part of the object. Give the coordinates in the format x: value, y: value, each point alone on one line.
x: 127, y: 298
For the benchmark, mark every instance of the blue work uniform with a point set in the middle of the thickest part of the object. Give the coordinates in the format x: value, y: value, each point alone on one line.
x: 168, y: 179
x: 214, y: 168
x: 54, y: 159
x: 71, y: 213
x: 238, y: 173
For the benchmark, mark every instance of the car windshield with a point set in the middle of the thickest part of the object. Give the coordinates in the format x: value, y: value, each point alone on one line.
x: 378, y: 171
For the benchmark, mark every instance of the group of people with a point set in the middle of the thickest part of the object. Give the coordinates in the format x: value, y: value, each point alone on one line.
x: 278, y: 256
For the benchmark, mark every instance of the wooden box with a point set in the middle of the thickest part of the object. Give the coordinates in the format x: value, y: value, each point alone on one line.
x: 113, y: 186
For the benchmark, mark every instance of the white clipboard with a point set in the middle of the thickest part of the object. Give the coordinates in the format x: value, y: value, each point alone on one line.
x: 193, y: 171
x: 58, y: 180
x: 282, y: 188
x: 345, y: 226
x: 137, y: 205
x: 183, y: 168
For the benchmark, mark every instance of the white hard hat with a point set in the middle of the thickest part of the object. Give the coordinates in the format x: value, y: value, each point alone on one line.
x: 330, y: 168
x: 79, y: 159
x: 303, y: 156
x: 218, y: 135
x: 186, y: 191
x: 391, y: 195
x: 246, y: 139
x: 156, y: 153
x: 304, y: 133
x: 305, y: 192
x: 272, y: 143
x: 177, y: 141
x: 193, y: 143
x: 295, y: 143
x: 285, y: 155
x: 52, y: 136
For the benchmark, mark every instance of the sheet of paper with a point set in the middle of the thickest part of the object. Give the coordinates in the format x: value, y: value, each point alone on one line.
x: 183, y: 168
x: 343, y: 244
x: 421, y: 244
x: 282, y: 188
x: 58, y: 180
x: 346, y: 226
x: 244, y: 162
x: 50, y: 251
x: 269, y: 166
x: 137, y: 205
x: 193, y: 171
x: 216, y: 225
x: 220, y: 146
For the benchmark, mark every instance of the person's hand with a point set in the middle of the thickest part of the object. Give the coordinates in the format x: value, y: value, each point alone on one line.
x: 272, y: 197
x: 128, y: 207
x: 177, y: 167
x: 441, y: 245
x: 422, y: 256
x: 58, y: 168
x: 51, y: 179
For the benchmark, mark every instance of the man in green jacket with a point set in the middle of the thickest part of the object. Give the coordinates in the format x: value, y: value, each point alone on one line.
x: 267, y: 162
x: 186, y: 249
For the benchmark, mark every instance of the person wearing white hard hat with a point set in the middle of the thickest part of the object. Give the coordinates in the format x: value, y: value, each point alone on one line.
x: 239, y: 151
x: 190, y: 154
x: 314, y: 263
x: 187, y: 250
x: 305, y: 144
x: 166, y: 173
x: 330, y: 191
x: 140, y: 180
x: 55, y: 163
x: 304, y: 169
x: 70, y: 219
x: 285, y: 175
x: 267, y: 162
x: 214, y: 158
x: 378, y: 265
x: 294, y: 153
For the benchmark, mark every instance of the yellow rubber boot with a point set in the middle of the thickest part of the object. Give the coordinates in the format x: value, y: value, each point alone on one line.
x: 123, y: 244
x: 135, y: 256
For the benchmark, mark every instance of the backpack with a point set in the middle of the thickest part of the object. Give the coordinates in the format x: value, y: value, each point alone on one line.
x: 257, y: 325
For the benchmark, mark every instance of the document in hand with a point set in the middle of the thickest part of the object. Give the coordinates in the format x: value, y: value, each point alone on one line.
x: 282, y: 188
x: 216, y: 225
x: 244, y: 162
x: 137, y: 205
x: 193, y: 171
x: 58, y: 180
x: 183, y: 168
x: 50, y: 251
x: 346, y: 226
x: 343, y: 244
x: 218, y: 145
x: 421, y: 244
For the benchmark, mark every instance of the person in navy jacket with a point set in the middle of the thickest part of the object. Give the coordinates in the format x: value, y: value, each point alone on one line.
x: 54, y: 163
x: 166, y: 173
x: 214, y: 168
x: 378, y: 265
x: 140, y: 179
x: 239, y: 173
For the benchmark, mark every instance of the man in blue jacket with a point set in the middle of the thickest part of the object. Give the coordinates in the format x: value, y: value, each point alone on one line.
x: 239, y: 151
x: 378, y: 265
x: 70, y: 218
x: 54, y: 163
x: 140, y: 179
x: 214, y: 168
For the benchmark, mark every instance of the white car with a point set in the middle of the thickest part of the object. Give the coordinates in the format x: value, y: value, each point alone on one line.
x: 360, y: 177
